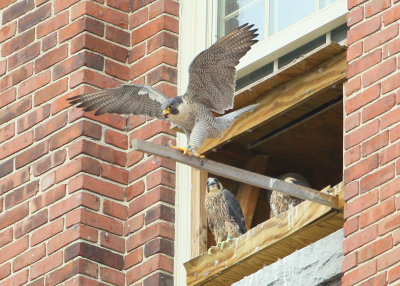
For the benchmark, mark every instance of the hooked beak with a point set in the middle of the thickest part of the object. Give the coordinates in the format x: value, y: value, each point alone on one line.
x: 166, y: 113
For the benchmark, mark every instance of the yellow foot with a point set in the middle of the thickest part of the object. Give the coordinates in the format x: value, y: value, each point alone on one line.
x: 212, y: 250
x: 187, y: 151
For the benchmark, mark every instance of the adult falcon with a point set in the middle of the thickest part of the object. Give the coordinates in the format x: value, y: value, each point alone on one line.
x: 211, y: 89
x: 224, y: 215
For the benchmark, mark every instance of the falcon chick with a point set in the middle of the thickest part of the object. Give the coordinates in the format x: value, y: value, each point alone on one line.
x: 211, y: 89
x: 280, y: 202
x: 224, y: 215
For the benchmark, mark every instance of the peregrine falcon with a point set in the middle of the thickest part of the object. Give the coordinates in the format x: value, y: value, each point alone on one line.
x: 279, y: 202
x: 211, y: 89
x: 224, y: 215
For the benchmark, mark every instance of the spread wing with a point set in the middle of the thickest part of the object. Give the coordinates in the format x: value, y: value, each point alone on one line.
x: 127, y: 99
x: 212, y: 72
x: 234, y: 210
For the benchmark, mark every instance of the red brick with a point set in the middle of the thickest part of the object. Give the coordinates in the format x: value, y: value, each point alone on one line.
x: 390, y: 153
x: 159, y: 229
x: 116, y: 138
x: 114, y: 209
x: 17, y: 42
x: 378, y: 212
x: 7, y: 97
x: 96, y: 79
x: 6, y: 3
x: 360, y: 273
x: 378, y: 72
x: 60, y: 5
x: 156, y: 262
x: 51, y: 91
x: 118, y: 36
x: 7, y: 132
x: 114, y: 173
x: 352, y: 155
x: 363, y: 63
x: 112, y: 276
x: 79, y: 26
x: 5, y: 270
x: 37, y: 282
x: 166, y: 39
x: 53, y: 24
x: 16, y: 76
x: 13, y: 249
x: 361, y: 99
x: 391, y: 15
x: 160, y: 212
x: 380, y: 37
x: 29, y: 257
x: 33, y: 18
x: 17, y: 10
x: 377, y: 280
x: 167, y: 89
x: 101, y: 152
x: 78, y: 231
x: 23, y: 56
x: 14, y: 180
x: 6, y: 167
x: 133, y: 157
x: 30, y: 223
x: 361, y: 168
x: 32, y: 118
x: 46, y: 265
x: 133, y: 224
x: 55, y: 123
x: 21, y: 194
x: 47, y: 181
x: 377, y: 247
x: 137, y: 52
x: 391, y: 83
x: 19, y: 279
x: 364, y: 29
x: 376, y: 6
x: 49, y: 162
x: 354, y: 16
x: 389, y: 258
x: 389, y: 189
x: 51, y: 58
x: 377, y: 178
x: 74, y: 62
x: 351, y: 190
x: 361, y: 134
x: 149, y: 198
x: 13, y: 110
x: 3, y: 66
x: 134, y: 257
x: 349, y: 262
x: 164, y: 6
x: 390, y: 223
x: 162, y: 73
x: 360, y: 203
x: 375, y: 143
x: 16, y: 145
x: 153, y: 27
x: 49, y: 42
x: 390, y: 118
x: 81, y: 164
x: 6, y: 32
x: 112, y: 242
x: 97, y: 11
x: 33, y: 83
x: 47, y: 231
x: 72, y: 202
x: 68, y: 270
x: 31, y: 154
x: 394, y: 274
x: 83, y: 280
x: 120, y: 71
x: 6, y: 236
x: 391, y: 48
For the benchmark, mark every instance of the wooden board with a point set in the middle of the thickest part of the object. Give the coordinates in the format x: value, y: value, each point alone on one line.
x: 265, y: 243
x: 285, y: 97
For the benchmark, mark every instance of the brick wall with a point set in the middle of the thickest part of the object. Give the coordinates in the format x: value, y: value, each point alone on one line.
x: 77, y: 205
x: 372, y: 145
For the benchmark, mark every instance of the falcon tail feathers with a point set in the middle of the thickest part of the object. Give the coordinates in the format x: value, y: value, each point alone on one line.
x: 226, y: 120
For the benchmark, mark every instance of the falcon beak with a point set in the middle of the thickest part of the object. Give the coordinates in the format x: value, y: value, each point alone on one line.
x: 165, y: 113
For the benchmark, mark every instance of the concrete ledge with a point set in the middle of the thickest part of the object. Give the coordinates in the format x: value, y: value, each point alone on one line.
x: 317, y: 264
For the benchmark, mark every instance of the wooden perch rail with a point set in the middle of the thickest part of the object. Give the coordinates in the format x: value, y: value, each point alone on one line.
x: 237, y: 174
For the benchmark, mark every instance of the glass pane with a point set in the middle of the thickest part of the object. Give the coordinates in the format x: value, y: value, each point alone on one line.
x: 324, y: 3
x: 339, y: 34
x: 283, y: 13
x: 255, y: 75
x: 234, y: 5
x: 252, y: 13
